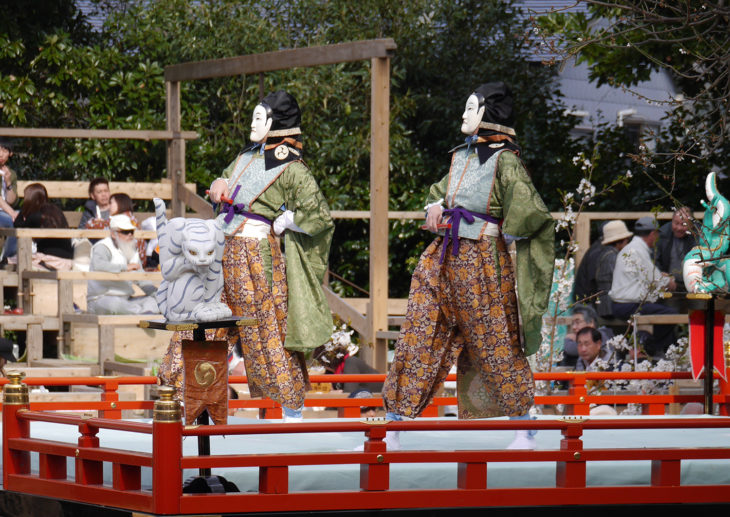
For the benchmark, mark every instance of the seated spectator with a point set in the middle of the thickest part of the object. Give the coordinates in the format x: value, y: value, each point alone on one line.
x: 342, y: 360
x: 96, y: 209
x: 53, y: 253
x: 37, y: 212
x: 35, y: 195
x: 616, y: 237
x: 583, y: 316
x: 115, y: 254
x: 121, y: 203
x: 592, y: 355
x: 8, y: 194
x: 52, y: 217
x: 585, y: 284
x: 675, y: 241
x: 637, y: 283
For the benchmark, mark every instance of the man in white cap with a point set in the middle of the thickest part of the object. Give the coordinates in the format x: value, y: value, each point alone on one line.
x: 115, y: 254
x: 615, y: 238
x: 637, y: 283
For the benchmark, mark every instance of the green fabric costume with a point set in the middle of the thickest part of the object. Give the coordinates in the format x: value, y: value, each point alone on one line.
x: 505, y: 191
x: 269, y: 193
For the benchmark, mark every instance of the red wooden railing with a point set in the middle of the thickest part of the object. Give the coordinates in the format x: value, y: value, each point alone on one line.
x: 167, y: 463
x: 577, y: 401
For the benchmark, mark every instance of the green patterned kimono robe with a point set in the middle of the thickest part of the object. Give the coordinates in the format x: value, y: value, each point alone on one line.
x: 291, y: 186
x: 506, y: 192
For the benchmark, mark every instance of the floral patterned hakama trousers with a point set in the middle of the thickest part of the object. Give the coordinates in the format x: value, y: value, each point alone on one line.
x: 463, y: 311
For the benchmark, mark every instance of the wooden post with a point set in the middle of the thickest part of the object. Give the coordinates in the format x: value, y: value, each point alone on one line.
x: 65, y: 306
x: 110, y: 394
x: 89, y: 472
x: 34, y: 342
x: 106, y: 345
x: 578, y: 389
x: 375, y: 476
x: 175, y: 149
x: 571, y: 473
x: 25, y: 263
x: 379, y: 137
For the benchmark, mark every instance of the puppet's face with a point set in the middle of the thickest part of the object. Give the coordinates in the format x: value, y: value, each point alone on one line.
x: 199, y: 253
x: 472, y: 116
x: 260, y: 124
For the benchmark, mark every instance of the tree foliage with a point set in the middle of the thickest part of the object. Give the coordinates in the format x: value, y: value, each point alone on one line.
x: 65, y: 75
x: 624, y: 42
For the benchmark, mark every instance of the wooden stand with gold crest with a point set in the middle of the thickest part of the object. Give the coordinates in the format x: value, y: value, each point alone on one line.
x: 205, y: 366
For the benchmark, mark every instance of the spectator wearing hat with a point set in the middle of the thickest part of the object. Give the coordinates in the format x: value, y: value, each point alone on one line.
x: 615, y: 238
x: 115, y: 254
x: 637, y: 283
x: 6, y: 354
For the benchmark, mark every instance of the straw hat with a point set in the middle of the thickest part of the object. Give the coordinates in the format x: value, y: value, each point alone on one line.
x: 615, y: 231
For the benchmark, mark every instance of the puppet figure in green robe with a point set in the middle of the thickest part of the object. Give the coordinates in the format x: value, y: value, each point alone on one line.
x: 269, y: 200
x: 467, y: 306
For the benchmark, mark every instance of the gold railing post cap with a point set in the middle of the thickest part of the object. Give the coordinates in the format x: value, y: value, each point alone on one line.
x: 15, y: 376
x: 15, y: 392
x: 167, y: 409
x: 166, y: 393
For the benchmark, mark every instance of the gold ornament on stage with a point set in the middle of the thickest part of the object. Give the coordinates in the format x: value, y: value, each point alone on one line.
x: 205, y: 374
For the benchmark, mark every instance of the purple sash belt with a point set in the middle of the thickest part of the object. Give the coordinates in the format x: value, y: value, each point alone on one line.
x: 240, y: 209
x: 452, y: 231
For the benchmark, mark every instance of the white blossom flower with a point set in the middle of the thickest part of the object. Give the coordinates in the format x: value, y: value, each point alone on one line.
x: 619, y: 343
x: 586, y: 189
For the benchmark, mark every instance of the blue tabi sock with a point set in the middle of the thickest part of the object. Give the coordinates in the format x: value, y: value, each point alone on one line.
x: 526, y: 416
x: 292, y: 413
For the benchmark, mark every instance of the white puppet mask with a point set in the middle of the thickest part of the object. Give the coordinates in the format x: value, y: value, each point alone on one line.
x: 260, y: 125
x: 472, y: 116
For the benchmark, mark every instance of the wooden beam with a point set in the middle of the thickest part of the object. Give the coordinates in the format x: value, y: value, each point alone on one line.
x: 96, y: 134
x: 630, y: 216
x: 131, y: 276
x: 197, y: 203
x: 66, y: 233
x: 175, y: 148
x: 379, y: 178
x: 346, y: 312
x: 281, y: 60
x: 80, y: 189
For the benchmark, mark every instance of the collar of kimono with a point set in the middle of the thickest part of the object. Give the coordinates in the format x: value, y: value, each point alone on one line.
x: 487, y: 145
x: 282, y: 151
x: 497, y: 127
x: 288, y: 141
